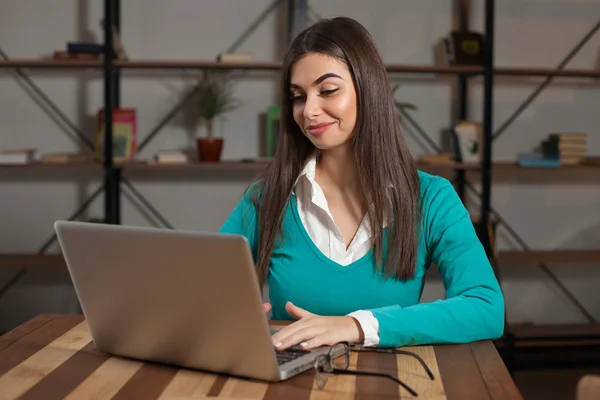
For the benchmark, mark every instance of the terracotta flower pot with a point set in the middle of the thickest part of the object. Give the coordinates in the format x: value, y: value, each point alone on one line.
x: 209, y: 149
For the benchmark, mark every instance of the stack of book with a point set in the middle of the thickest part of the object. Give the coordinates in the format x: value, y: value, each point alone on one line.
x: 569, y: 148
x: 16, y: 156
x: 91, y: 50
x: 80, y: 51
x: 558, y: 149
x: 170, y: 157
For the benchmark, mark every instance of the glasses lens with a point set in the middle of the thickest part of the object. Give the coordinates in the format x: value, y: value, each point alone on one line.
x: 321, y: 368
x: 340, y: 355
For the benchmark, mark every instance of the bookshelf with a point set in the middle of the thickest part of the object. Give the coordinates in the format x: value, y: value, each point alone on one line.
x: 274, y: 66
x: 485, y: 173
x: 503, y: 172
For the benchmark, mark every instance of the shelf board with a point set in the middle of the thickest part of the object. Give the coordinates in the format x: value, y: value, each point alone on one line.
x: 260, y: 165
x: 193, y: 166
x: 562, y: 256
x: 42, y: 165
x: 50, y: 64
x: 198, y: 64
x: 531, y: 336
x: 503, y: 172
x: 209, y: 64
x: 548, y: 72
x: 46, y: 261
x: 275, y: 66
x: 547, y: 332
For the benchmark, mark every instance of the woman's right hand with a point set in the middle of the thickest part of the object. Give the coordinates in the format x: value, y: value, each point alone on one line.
x: 267, y: 307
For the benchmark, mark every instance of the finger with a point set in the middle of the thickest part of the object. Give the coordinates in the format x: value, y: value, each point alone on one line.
x: 287, y: 331
x: 323, y: 339
x: 298, y: 337
x: 297, y: 312
x: 267, y: 307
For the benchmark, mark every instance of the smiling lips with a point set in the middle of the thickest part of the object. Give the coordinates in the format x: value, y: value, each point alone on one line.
x: 318, y: 129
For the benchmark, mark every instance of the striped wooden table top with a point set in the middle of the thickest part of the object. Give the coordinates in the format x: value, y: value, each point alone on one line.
x: 53, y: 357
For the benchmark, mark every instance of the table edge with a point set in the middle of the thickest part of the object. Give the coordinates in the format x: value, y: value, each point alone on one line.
x: 493, y: 370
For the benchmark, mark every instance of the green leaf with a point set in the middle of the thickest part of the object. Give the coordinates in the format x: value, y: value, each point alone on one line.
x: 214, y: 95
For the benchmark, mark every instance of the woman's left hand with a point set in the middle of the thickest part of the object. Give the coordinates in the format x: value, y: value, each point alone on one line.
x: 313, y: 330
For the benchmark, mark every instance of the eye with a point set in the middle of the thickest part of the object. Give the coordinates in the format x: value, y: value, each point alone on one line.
x: 329, y: 92
x: 296, y: 97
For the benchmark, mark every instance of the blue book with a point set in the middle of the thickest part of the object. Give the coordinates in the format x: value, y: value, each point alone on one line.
x: 538, y: 160
x: 84, y: 47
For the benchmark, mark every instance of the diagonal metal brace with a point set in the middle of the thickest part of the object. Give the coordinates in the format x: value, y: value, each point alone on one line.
x: 546, y: 82
x: 420, y: 130
x: 173, y: 112
x: 147, y: 203
x: 73, y: 216
x: 17, y: 277
x: 543, y: 267
x: 50, y: 103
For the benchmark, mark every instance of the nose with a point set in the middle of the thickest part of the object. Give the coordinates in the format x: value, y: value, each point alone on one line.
x: 312, y: 107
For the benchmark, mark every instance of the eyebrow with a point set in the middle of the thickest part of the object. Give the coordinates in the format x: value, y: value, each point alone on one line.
x: 320, y: 79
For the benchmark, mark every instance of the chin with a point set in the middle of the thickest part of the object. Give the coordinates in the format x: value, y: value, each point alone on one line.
x: 326, y: 145
x: 320, y: 143
x: 326, y: 142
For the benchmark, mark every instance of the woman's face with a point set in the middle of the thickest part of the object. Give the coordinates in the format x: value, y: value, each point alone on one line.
x: 323, y: 100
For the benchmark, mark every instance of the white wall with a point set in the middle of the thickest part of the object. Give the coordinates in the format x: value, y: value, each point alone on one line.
x: 529, y: 33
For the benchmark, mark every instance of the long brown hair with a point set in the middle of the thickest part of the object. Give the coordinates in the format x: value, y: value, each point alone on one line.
x: 386, y: 167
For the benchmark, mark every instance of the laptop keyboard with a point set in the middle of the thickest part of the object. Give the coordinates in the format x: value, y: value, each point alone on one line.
x: 288, y: 355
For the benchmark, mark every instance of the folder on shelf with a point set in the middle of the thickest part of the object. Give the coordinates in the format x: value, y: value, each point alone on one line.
x: 124, y: 134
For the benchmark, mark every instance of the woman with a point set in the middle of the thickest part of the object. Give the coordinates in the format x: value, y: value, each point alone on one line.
x: 342, y: 223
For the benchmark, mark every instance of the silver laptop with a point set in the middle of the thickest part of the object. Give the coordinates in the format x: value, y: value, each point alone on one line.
x: 189, y: 299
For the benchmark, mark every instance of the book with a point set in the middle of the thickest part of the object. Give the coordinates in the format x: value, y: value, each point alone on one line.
x: 65, y: 158
x: 234, y: 57
x: 124, y: 134
x: 273, y: 127
x: 85, y: 47
x: 569, y: 148
x: 460, y: 48
x: 170, y: 157
x: 444, y: 158
x: 537, y: 160
x: 16, y: 156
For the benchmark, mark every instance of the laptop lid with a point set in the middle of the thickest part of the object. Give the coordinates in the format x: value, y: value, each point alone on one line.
x: 190, y: 299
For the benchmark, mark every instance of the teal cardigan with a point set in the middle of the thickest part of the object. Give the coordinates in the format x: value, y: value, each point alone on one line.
x: 473, y: 308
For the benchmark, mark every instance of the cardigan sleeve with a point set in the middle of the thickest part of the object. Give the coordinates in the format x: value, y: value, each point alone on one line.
x: 243, y: 221
x: 473, y: 308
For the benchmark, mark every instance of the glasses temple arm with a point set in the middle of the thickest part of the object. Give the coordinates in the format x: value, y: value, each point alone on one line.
x: 395, y: 351
x: 398, y: 381
x: 425, y: 367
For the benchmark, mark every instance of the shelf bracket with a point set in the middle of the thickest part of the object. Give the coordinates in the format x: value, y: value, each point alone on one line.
x: 51, y: 105
x: 546, y: 82
x: 147, y: 203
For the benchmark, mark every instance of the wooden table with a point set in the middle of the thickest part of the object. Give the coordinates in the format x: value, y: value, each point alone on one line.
x: 53, y: 357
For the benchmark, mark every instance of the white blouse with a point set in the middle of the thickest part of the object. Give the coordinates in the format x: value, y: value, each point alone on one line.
x: 322, y: 229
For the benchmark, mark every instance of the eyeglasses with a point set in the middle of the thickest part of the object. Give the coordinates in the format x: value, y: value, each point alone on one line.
x: 337, y: 361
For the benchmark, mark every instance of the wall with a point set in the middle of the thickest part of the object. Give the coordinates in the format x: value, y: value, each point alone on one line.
x: 529, y: 33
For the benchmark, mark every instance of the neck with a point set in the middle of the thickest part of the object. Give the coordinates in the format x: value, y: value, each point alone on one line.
x: 337, y: 167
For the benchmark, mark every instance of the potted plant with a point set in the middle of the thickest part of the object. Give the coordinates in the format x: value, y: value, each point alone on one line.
x: 212, y: 97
